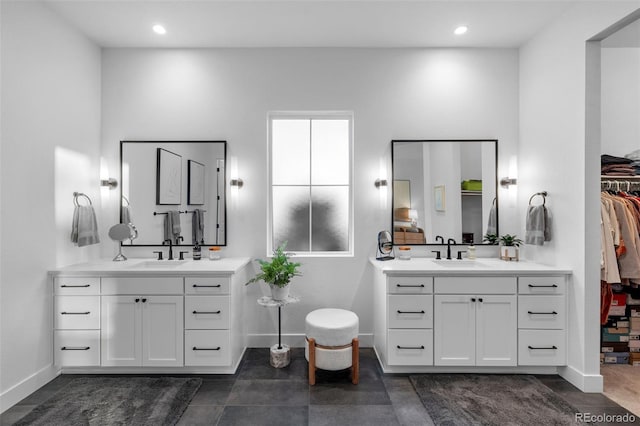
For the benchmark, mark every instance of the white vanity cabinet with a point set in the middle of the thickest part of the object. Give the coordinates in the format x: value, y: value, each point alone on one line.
x: 134, y: 319
x: 475, y: 321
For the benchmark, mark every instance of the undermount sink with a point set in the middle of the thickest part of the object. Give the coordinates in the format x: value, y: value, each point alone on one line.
x: 160, y: 263
x: 459, y: 263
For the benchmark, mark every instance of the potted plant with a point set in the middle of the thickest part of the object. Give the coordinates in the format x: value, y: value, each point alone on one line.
x: 490, y: 238
x: 277, y: 273
x: 509, y: 247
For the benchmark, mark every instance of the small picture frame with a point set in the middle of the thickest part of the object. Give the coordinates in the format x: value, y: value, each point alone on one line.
x: 168, y: 178
x: 195, y: 189
x: 439, y: 198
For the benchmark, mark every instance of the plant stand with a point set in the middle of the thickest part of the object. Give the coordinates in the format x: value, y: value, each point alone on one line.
x: 280, y: 355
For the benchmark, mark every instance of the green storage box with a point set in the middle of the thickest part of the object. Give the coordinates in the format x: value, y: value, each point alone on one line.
x: 472, y: 185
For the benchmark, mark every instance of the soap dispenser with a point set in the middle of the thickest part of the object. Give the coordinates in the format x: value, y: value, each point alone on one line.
x: 471, y: 252
x: 197, y: 252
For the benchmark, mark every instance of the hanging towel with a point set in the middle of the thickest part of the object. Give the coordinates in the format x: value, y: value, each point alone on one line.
x: 172, y: 227
x: 84, y: 228
x: 126, y: 215
x: 538, y: 229
x: 492, y: 226
x: 197, y: 225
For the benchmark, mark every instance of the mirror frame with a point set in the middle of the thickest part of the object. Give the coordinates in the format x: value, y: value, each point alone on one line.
x: 393, y: 144
x: 226, y: 183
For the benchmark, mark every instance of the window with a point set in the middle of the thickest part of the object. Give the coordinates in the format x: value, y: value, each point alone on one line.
x: 310, y: 179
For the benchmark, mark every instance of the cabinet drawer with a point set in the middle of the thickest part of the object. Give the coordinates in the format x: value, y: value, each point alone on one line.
x: 544, y: 312
x: 542, y: 347
x: 410, y: 311
x: 76, y: 285
x: 475, y: 285
x: 77, y: 312
x: 541, y: 285
x: 142, y: 285
x: 206, y: 285
x: 207, y: 348
x: 410, y: 347
x: 206, y: 312
x: 413, y: 285
x: 77, y: 348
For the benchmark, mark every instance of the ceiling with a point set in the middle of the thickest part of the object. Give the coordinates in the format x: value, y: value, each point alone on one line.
x: 310, y: 23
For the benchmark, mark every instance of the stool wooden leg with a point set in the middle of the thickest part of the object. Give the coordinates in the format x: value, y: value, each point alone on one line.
x: 312, y: 361
x: 355, y: 361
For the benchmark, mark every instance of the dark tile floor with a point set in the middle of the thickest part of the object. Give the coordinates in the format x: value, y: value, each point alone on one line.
x: 261, y: 395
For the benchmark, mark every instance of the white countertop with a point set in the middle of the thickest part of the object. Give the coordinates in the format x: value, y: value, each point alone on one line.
x: 480, y: 266
x: 132, y: 267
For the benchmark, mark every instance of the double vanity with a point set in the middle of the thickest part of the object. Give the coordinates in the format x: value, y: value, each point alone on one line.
x: 485, y: 315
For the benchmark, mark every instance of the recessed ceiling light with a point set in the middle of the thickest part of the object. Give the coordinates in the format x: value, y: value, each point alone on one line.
x: 159, y: 29
x: 461, y: 30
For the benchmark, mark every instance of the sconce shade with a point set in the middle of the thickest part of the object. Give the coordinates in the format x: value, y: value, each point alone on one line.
x: 380, y: 183
x: 237, y: 182
x: 506, y: 182
x: 111, y: 183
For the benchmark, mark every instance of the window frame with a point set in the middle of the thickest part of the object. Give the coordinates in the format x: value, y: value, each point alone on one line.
x: 310, y: 115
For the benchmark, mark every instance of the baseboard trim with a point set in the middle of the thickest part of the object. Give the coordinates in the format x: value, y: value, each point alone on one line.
x: 590, y: 383
x: 294, y: 340
x: 21, y: 390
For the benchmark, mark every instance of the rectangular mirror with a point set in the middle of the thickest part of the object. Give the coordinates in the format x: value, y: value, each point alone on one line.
x: 188, y: 177
x: 444, y: 188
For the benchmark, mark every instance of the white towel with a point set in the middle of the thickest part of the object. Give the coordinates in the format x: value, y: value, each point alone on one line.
x: 492, y: 225
x: 84, y: 228
x: 126, y: 215
x: 538, y: 225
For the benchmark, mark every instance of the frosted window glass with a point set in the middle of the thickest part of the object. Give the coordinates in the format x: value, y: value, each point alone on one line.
x: 290, y: 152
x: 330, y: 152
x: 330, y: 216
x: 291, y: 217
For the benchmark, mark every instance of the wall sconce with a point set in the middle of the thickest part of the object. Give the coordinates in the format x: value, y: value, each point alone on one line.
x: 110, y: 182
x: 379, y: 183
x: 506, y: 182
x: 237, y: 182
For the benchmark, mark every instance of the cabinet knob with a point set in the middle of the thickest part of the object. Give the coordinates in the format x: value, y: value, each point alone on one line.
x: 137, y: 300
x: 473, y: 299
x: 480, y: 300
x: 144, y: 300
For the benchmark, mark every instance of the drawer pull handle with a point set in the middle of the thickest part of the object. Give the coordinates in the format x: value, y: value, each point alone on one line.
x: 410, y: 312
x: 412, y: 285
x: 212, y: 286
x: 411, y: 347
x: 206, y: 349
x: 543, y: 286
x: 75, y: 348
x: 204, y: 312
x: 543, y: 347
x: 75, y: 313
x: 543, y: 313
x: 75, y: 286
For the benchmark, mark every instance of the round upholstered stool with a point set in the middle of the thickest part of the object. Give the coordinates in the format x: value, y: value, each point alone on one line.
x: 332, y: 342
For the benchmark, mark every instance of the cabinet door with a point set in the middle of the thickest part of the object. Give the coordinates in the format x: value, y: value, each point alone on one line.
x: 162, y: 331
x: 496, y: 331
x: 121, y: 333
x: 454, y: 330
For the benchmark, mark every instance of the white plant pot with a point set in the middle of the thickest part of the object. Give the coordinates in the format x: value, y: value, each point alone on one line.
x: 509, y: 253
x: 279, y: 293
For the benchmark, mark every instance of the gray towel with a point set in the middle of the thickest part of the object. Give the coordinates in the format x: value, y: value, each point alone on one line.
x: 126, y: 215
x: 538, y: 225
x: 172, y: 227
x: 492, y: 225
x: 197, y: 225
x: 84, y: 227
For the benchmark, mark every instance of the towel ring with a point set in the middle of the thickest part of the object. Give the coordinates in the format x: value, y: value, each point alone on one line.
x: 80, y: 194
x: 125, y: 199
x: 543, y: 194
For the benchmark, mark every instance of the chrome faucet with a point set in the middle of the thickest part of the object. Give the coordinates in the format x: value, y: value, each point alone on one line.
x: 170, y: 248
x: 449, y: 247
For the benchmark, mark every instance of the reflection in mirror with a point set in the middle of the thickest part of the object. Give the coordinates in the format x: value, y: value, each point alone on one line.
x: 174, y: 190
x: 444, y: 188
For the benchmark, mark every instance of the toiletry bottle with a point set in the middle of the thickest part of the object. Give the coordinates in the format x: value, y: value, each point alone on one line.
x: 471, y: 252
x: 197, y: 252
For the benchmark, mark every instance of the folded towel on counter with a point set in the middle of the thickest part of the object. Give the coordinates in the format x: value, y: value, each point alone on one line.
x: 197, y: 225
x: 492, y: 226
x: 84, y: 227
x: 538, y: 226
x: 172, y: 228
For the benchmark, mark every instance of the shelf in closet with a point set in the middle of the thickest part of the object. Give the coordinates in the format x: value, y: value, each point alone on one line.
x: 467, y: 192
x: 621, y: 178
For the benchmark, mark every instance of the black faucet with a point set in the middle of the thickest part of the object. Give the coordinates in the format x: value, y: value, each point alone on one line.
x: 449, y: 247
x: 441, y: 239
x: 178, y: 239
x: 170, y: 248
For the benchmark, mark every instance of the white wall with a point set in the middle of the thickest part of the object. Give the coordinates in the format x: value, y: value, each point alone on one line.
x: 555, y: 157
x: 620, y: 100
x: 226, y: 94
x: 50, y: 147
